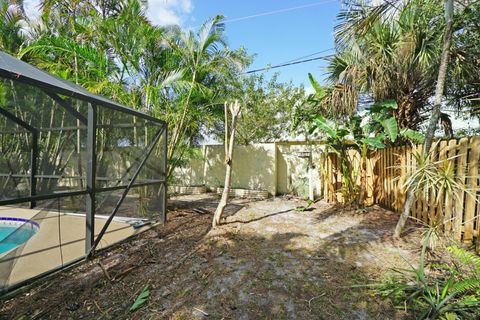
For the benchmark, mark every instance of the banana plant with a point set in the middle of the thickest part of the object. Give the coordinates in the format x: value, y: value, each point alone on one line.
x: 379, y: 130
x: 336, y: 141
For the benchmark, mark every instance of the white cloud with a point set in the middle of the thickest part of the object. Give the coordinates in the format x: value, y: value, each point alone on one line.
x: 32, y: 8
x: 160, y: 12
x: 164, y: 12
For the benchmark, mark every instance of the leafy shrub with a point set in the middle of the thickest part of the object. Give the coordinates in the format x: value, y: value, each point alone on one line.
x: 446, y: 291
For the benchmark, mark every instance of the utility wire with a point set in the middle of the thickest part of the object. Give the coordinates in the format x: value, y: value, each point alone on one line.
x: 284, y: 65
x: 269, y: 13
x: 309, y: 55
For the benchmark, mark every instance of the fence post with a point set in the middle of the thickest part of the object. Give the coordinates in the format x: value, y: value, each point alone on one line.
x: 91, y: 177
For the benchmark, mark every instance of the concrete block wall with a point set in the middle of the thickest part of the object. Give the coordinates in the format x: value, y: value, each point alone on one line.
x: 279, y: 168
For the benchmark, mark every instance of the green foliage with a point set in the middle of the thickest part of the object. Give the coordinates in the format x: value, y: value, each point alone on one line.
x: 390, y: 127
x: 326, y: 102
x: 306, y: 207
x: 413, y: 135
x: 141, y: 299
x: 377, y: 129
x: 432, y: 178
x: 267, y: 106
x: 112, y: 49
x: 388, y: 51
x: 448, y: 291
x: 11, y: 16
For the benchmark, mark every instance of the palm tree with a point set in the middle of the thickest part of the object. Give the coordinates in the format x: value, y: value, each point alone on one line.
x: 111, y: 48
x: 439, y: 91
x: 389, y: 51
x: 204, y: 57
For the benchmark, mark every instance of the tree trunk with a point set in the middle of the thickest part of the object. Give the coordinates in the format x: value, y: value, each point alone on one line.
x: 432, y: 126
x: 224, y: 200
x: 229, y: 143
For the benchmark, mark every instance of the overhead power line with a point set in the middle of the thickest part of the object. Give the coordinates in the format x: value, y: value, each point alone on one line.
x: 309, y: 55
x: 289, y: 63
x: 269, y: 13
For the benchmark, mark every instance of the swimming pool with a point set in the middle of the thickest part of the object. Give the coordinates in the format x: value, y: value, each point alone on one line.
x: 15, y: 231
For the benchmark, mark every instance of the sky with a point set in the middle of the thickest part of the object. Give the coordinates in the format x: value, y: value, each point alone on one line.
x: 296, y: 28
x: 276, y: 31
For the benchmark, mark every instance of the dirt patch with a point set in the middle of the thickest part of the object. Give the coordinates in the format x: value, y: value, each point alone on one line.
x: 267, y: 261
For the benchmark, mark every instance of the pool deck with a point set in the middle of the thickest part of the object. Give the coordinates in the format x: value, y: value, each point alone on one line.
x: 59, y: 240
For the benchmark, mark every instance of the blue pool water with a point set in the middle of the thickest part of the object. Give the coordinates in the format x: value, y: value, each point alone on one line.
x: 14, y: 235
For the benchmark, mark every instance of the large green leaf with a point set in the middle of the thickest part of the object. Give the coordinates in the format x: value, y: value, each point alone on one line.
x: 322, y: 125
x: 412, y: 135
x: 318, y: 88
x: 374, y: 142
x: 379, y: 107
x: 141, y: 299
x: 391, y: 128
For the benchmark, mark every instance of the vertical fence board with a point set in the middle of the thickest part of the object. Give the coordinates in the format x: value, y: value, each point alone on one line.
x: 370, y: 181
x: 420, y: 215
x: 440, y: 203
x: 449, y: 197
x: 396, y: 168
x: 387, y: 171
x: 339, y: 185
x: 389, y: 179
x: 432, y: 197
x: 384, y: 178
x: 459, y: 203
x: 330, y: 174
x: 380, y: 177
x: 413, y: 164
x: 471, y: 186
x: 401, y: 179
x: 393, y: 181
x: 408, y: 169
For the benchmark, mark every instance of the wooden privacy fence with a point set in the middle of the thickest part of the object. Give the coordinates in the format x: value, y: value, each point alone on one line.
x: 388, y: 169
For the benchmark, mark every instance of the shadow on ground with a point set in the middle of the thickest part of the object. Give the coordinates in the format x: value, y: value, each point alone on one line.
x: 268, y: 261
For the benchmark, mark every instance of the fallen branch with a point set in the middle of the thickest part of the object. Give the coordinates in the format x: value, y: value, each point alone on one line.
x: 122, y: 274
x: 104, y: 272
x: 310, y: 301
x: 201, y: 311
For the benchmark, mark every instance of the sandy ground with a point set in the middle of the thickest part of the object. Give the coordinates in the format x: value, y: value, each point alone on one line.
x: 268, y: 261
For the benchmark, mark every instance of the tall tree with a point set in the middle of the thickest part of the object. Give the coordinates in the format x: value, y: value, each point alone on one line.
x: 439, y: 93
x: 204, y: 56
x: 267, y: 107
x: 111, y: 48
x: 388, y: 51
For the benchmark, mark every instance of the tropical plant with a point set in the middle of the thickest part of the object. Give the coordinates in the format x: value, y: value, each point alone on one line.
x: 267, y: 106
x: 431, y: 291
x: 376, y: 129
x: 111, y: 48
x: 436, y: 111
x: 142, y: 299
x: 204, y: 56
x: 388, y: 51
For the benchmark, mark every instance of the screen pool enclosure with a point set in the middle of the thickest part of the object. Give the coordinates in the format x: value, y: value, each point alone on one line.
x: 86, y: 170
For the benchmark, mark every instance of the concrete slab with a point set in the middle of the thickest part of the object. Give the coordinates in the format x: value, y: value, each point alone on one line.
x: 59, y: 240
